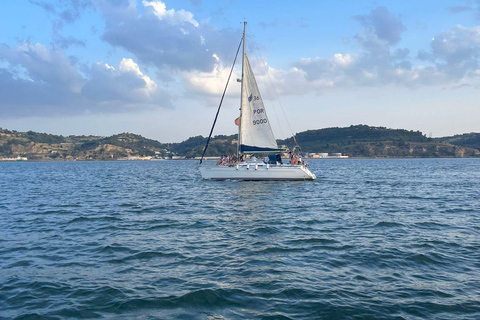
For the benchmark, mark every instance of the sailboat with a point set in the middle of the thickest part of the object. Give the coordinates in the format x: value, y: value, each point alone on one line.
x: 255, y: 136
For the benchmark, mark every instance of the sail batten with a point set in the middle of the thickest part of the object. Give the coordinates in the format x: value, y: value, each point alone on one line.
x: 255, y: 131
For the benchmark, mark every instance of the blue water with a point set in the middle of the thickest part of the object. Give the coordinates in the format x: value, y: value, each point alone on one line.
x: 369, y: 239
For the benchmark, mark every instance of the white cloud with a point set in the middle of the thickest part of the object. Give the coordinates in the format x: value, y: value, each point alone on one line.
x: 40, y: 80
x: 172, y: 16
x: 343, y: 60
x: 383, y: 25
x: 129, y: 66
x: 45, y: 65
x: 166, y: 38
x: 212, y: 83
x: 127, y: 83
x: 454, y: 55
x: 456, y: 51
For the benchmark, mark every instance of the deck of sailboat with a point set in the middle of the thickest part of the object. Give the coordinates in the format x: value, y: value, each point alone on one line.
x: 251, y: 171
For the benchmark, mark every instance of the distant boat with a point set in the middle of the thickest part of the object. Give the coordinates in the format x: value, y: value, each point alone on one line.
x: 255, y: 137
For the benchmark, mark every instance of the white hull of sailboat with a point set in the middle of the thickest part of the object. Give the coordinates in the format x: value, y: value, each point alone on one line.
x: 255, y: 171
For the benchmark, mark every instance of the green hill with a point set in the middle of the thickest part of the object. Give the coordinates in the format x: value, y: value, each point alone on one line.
x: 193, y: 147
x: 468, y: 140
x: 354, y: 141
x: 314, y: 140
x: 42, y: 146
x: 367, y: 141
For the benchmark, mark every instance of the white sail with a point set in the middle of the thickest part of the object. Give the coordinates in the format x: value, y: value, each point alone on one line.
x: 255, y: 132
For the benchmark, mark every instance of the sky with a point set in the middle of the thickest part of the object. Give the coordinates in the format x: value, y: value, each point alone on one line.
x: 158, y: 68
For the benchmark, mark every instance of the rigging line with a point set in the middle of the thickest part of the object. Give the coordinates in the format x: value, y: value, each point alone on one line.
x: 283, y: 110
x: 221, y: 100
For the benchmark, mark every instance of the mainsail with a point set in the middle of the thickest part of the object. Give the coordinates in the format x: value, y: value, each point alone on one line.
x: 255, y: 132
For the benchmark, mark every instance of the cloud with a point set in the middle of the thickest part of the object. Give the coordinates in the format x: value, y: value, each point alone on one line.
x: 459, y: 9
x: 64, y: 12
x: 211, y: 83
x: 159, y: 9
x: 125, y: 84
x: 44, y: 65
x: 66, y: 42
x: 452, y: 58
x: 48, y: 7
x: 323, y: 68
x: 67, y: 11
x: 37, y: 81
x: 40, y: 80
x: 455, y: 52
x: 165, y: 38
x: 382, y: 24
x: 169, y: 39
x: 197, y: 3
x: 379, y: 62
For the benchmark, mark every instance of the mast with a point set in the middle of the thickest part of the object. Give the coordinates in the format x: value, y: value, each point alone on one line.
x: 241, y: 90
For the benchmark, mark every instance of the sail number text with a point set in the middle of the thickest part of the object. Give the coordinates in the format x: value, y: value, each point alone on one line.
x: 253, y: 98
x: 261, y: 121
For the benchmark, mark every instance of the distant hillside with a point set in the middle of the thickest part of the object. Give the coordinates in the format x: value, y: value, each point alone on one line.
x: 354, y: 141
x: 468, y: 140
x: 193, y: 147
x: 42, y: 146
x: 322, y: 138
x: 367, y: 141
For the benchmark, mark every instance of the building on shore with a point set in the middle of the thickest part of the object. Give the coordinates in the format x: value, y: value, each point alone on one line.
x: 14, y: 159
x: 324, y: 155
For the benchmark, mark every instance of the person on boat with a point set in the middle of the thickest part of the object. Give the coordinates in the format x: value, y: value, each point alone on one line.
x: 224, y: 160
x: 278, y: 159
x: 232, y: 160
x: 253, y: 158
x: 294, y: 160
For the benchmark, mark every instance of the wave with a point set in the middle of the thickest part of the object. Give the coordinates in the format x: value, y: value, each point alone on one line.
x: 201, y: 298
x: 94, y: 219
x: 113, y: 248
x: 146, y: 255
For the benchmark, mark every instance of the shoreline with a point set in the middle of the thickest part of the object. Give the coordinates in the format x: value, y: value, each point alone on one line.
x: 211, y: 159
